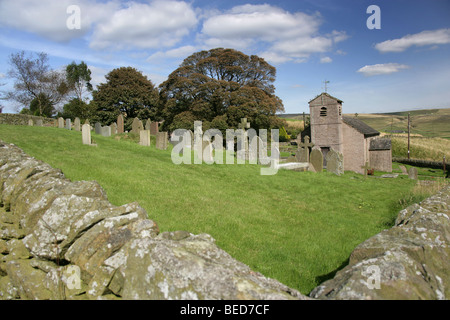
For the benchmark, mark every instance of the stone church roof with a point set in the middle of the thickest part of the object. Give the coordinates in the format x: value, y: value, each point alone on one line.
x: 380, y: 144
x: 361, y: 127
x: 329, y: 96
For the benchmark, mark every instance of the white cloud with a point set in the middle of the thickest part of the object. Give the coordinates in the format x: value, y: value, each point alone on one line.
x: 48, y: 18
x: 326, y: 60
x: 424, y: 38
x: 2, y: 76
x: 153, y: 25
x: 380, y: 69
x: 177, y: 53
x: 286, y: 36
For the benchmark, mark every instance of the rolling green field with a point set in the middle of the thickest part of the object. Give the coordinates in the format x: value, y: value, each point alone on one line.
x: 296, y: 227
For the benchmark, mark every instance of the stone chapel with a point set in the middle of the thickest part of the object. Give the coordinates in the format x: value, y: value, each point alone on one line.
x: 358, y: 142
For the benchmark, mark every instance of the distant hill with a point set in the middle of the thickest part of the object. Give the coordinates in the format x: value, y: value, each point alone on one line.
x: 426, y: 122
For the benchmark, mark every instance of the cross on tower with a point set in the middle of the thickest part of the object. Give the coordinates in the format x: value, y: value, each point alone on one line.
x: 326, y: 82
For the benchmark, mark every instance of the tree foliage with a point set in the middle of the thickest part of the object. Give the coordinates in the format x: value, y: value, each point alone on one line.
x: 35, y: 80
x: 126, y: 91
x: 221, y: 86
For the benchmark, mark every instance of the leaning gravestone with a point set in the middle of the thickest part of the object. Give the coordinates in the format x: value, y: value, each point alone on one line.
x: 77, y: 124
x: 144, y: 138
x: 98, y: 128
x: 60, y: 123
x: 413, y: 173
x: 335, y: 162
x: 161, y: 140
x: 316, y: 160
x: 120, y: 124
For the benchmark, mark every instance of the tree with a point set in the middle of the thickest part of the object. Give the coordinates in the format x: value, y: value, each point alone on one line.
x: 221, y: 85
x: 34, y: 79
x: 126, y: 91
x: 77, y: 108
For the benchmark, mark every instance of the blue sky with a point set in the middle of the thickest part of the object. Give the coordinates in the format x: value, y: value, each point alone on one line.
x: 404, y: 65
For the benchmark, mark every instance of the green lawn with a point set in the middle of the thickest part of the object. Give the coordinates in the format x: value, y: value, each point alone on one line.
x: 296, y: 227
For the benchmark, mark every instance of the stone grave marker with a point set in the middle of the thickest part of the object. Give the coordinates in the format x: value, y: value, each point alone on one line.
x: 335, y: 162
x: 148, y: 124
x: 98, y: 128
x: 39, y: 123
x: 404, y: 170
x: 366, y: 168
x: 198, y: 138
x: 161, y: 140
x: 120, y: 124
x: 316, y: 160
x: 106, y: 131
x: 68, y: 124
x: 243, y: 152
x: 144, y: 138
x: 86, y: 134
x: 30, y: 122
x: 113, y: 128
x: 60, y: 123
x: 77, y: 124
x: 136, y: 126
x: 302, y: 154
x: 413, y: 173
x: 207, y: 152
x: 154, y: 128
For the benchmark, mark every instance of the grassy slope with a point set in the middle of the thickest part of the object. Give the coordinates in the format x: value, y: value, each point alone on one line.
x: 296, y: 227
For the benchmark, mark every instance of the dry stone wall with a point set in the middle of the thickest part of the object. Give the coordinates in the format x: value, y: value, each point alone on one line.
x: 22, y: 119
x: 64, y: 240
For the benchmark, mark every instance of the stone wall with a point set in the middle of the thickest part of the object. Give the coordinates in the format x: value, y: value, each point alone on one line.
x: 22, y: 119
x: 64, y: 240
x: 409, y: 261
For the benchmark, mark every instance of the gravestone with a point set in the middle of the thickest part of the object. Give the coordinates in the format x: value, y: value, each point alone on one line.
x: 68, y: 124
x: 60, y: 123
x: 413, y: 173
x: 98, y: 128
x: 198, y: 138
x: 302, y: 155
x: 207, y: 152
x: 316, y: 160
x: 404, y: 170
x: 144, y: 138
x: 253, y: 149
x: 154, y: 128
x: 367, y: 168
x: 86, y: 134
x: 335, y: 162
x: 161, y: 140
x: 243, y: 152
x: 39, y: 123
x: 106, y: 131
x: 55, y: 123
x: 303, y: 149
x: 30, y: 122
x: 136, y: 126
x: 148, y: 124
x: 77, y: 124
x: 113, y: 128
x: 120, y: 125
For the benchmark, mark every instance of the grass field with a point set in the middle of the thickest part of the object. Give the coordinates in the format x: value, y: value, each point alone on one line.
x: 296, y: 227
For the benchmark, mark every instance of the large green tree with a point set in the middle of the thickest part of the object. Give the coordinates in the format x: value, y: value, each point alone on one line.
x: 78, y: 78
x: 126, y: 91
x: 219, y: 87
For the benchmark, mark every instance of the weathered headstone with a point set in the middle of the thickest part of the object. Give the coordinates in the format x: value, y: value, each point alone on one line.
x: 120, y: 124
x: 154, y: 128
x: 68, y: 124
x: 113, y: 128
x: 243, y: 152
x: 136, y: 126
x: 366, y: 168
x: 198, y: 138
x: 302, y: 155
x: 148, y: 124
x: 98, y: 128
x: 77, y: 124
x: 30, y: 122
x: 303, y: 149
x: 161, y: 140
x: 207, y: 152
x: 144, y: 138
x: 39, y: 123
x: 404, y: 170
x: 335, y: 162
x: 86, y: 134
x: 413, y: 173
x: 106, y: 131
x: 60, y: 123
x: 316, y: 160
